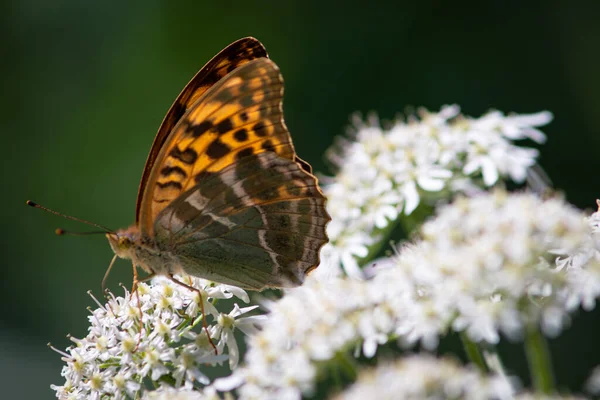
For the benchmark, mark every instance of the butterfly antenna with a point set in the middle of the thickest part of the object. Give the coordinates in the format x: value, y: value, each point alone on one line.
x: 62, y: 231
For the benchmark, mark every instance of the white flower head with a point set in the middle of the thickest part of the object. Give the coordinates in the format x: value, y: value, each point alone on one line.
x: 383, y: 173
x: 485, y: 266
x: 593, y: 382
x: 171, y: 393
x: 312, y: 323
x: 553, y: 396
x: 488, y: 265
x: 115, y: 358
x: 425, y: 377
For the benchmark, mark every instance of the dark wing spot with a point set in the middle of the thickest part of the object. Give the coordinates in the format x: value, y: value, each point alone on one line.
x: 295, y: 191
x: 268, y: 194
x: 246, y: 101
x: 241, y: 135
x: 244, y: 116
x: 244, y: 153
x: 268, y: 146
x: 203, y: 175
x: 259, y: 129
x: 173, y: 184
x: 243, y: 88
x: 177, y: 111
x: 224, y: 126
x: 224, y: 95
x: 166, y: 171
x: 217, y: 149
x: 282, y: 221
x: 189, y: 156
x: 201, y: 128
x: 186, y: 212
x: 283, y: 240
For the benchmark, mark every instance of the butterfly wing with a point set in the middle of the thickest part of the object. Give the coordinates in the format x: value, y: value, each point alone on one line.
x: 239, y: 116
x: 230, y: 58
x: 228, y: 196
x: 257, y: 223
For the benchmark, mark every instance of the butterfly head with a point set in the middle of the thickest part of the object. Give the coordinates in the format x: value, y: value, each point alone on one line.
x: 122, y: 241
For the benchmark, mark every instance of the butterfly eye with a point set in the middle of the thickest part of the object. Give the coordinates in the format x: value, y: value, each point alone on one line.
x: 124, y: 242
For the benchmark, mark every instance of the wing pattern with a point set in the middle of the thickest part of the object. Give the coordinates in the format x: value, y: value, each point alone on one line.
x: 227, y: 195
x: 239, y: 116
x: 255, y: 224
x: 229, y: 59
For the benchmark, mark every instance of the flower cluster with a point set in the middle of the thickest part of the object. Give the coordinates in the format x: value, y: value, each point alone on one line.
x: 425, y: 377
x: 382, y: 173
x: 115, y: 358
x: 494, y: 263
x: 171, y: 393
x: 309, y: 324
x: 485, y: 265
x: 554, y: 396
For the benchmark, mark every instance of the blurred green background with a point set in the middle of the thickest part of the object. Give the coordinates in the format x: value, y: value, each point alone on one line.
x: 85, y: 86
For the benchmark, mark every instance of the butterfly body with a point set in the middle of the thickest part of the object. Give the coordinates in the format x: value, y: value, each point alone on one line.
x: 143, y: 252
x: 224, y: 196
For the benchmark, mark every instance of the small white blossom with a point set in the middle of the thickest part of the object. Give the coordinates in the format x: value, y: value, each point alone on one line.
x: 115, y: 358
x: 382, y: 173
x: 170, y: 393
x: 554, y: 396
x: 308, y: 324
x: 593, y: 382
x: 425, y: 377
x: 227, y: 323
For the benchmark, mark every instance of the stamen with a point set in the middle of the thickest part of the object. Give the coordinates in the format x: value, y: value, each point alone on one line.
x: 62, y: 353
x: 89, y: 292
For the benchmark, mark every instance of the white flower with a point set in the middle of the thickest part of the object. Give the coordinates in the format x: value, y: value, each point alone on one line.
x: 383, y: 173
x: 311, y: 324
x: 425, y: 377
x: 484, y: 266
x: 593, y: 383
x: 170, y: 393
x: 539, y: 396
x: 227, y: 323
x: 115, y: 358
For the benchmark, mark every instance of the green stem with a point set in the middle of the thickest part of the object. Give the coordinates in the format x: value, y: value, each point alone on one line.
x: 383, y: 236
x: 493, y: 361
x: 538, y: 357
x: 347, y: 364
x: 474, y: 353
x: 412, y: 223
x: 408, y: 223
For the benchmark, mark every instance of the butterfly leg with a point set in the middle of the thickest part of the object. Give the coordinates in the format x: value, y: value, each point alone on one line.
x: 136, y: 282
x: 204, y: 324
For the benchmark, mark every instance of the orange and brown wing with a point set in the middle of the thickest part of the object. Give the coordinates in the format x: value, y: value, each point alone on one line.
x: 233, y: 56
x: 240, y: 116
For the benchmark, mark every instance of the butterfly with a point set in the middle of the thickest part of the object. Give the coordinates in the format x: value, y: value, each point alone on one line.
x: 223, y: 195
